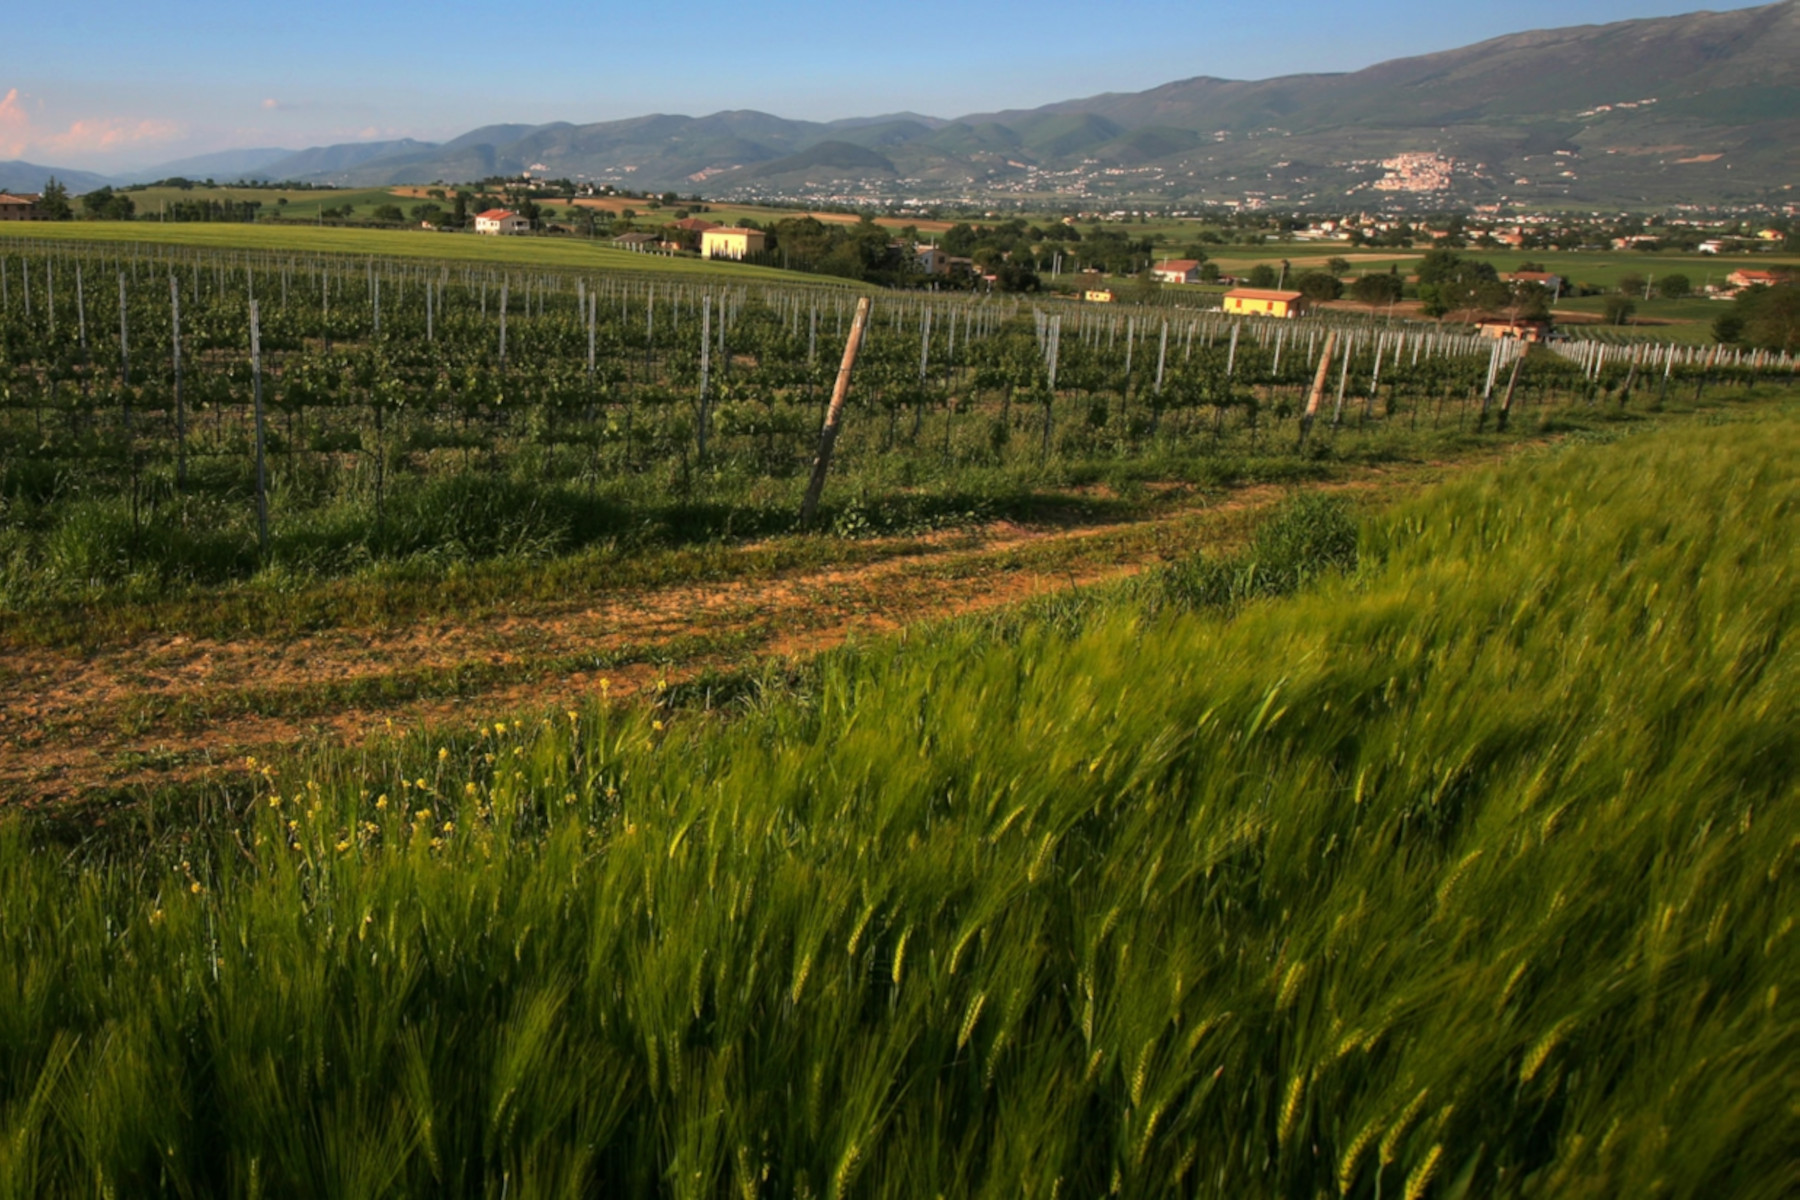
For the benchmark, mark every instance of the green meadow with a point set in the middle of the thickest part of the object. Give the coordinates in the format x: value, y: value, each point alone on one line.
x: 542, y: 252
x: 302, y: 203
x: 1441, y: 850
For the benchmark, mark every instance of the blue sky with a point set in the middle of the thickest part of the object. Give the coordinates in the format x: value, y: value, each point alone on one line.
x: 115, y: 84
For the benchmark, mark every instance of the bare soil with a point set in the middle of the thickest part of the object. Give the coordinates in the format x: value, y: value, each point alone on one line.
x: 173, y: 709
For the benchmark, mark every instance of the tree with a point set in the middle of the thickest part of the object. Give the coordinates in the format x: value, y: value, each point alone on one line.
x: 1144, y: 287
x: 1262, y: 275
x: 1770, y: 317
x: 54, y: 204
x: 1674, y: 287
x: 1377, y: 290
x: 1530, y: 300
x: 958, y: 240
x: 1450, y: 283
x: 107, y: 205
x: 1319, y: 285
x: 1619, y: 309
x: 1339, y: 267
x: 1631, y: 284
x: 389, y: 213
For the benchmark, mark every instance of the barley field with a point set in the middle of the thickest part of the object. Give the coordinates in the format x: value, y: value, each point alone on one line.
x: 1440, y: 851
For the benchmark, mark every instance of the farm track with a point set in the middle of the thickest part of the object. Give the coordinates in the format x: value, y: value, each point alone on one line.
x: 172, y: 709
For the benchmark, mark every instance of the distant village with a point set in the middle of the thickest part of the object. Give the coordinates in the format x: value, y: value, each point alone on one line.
x: 1080, y: 252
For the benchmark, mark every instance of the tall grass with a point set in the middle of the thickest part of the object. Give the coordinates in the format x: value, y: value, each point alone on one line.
x: 1468, y: 873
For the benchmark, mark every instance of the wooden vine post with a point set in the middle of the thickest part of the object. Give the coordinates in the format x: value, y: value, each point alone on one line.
x: 262, y: 475
x: 1512, y: 382
x: 180, y: 409
x: 1318, y: 387
x: 809, y: 507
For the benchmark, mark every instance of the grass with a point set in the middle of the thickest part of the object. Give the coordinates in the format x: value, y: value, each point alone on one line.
x: 301, y: 202
x: 1469, y: 872
x: 570, y: 253
x: 1598, y: 268
x: 306, y: 203
x: 460, y: 460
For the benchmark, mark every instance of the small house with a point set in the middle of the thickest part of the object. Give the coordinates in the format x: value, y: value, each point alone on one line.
x: 1524, y: 329
x: 931, y: 260
x: 1177, y: 270
x: 1744, y: 277
x: 1265, y: 302
x: 15, y: 207
x: 731, y: 242
x: 1548, y: 280
x: 500, y: 221
x: 1098, y: 296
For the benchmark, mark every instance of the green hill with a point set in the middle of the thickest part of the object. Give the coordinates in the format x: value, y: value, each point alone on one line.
x: 1695, y: 108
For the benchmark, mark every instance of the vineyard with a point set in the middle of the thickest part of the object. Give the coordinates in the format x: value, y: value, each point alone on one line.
x: 174, y: 417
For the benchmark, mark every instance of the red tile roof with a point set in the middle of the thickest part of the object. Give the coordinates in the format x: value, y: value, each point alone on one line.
x: 495, y: 214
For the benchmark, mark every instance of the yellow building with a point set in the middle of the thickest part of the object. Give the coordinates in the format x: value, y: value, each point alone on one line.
x: 1264, y: 302
x: 730, y: 242
x: 1097, y: 296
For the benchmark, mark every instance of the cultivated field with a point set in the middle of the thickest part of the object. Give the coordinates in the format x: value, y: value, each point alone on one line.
x: 1463, y: 871
x: 243, y: 545
x: 1185, y: 755
x: 520, y: 252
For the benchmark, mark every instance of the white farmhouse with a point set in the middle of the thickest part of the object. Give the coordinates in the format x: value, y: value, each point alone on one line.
x: 1177, y: 270
x: 500, y: 221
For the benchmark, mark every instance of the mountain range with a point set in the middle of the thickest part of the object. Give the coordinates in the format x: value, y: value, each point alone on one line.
x: 1702, y: 108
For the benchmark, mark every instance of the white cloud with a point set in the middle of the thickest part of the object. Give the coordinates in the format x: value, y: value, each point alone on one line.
x: 20, y: 135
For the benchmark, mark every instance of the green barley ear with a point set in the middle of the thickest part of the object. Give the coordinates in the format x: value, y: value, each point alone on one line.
x: 1420, y: 1178
x: 1353, y: 1155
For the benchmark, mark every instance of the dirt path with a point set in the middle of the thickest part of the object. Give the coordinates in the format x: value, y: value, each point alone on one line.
x: 174, y: 708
